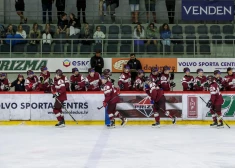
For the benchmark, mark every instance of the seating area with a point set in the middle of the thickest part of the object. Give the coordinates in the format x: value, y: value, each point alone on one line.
x: 191, y: 40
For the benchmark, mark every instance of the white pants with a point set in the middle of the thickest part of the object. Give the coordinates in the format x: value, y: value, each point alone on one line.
x: 46, y: 38
x: 73, y: 31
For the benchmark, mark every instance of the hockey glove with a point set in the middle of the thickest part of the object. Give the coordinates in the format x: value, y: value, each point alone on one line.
x: 101, y: 87
x: 121, y: 86
x: 209, y: 104
x: 172, y: 84
x: 56, y: 95
x: 41, y: 79
x: 87, y: 84
x: 77, y: 87
x: 105, y: 104
x: 152, y: 102
x: 50, y: 81
x: 112, y: 81
x: 172, y: 76
x: 206, y: 85
x: 191, y: 86
x: 198, y: 83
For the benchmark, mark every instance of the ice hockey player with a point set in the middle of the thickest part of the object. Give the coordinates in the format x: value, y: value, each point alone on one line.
x: 108, y: 74
x: 200, y: 82
x: 110, y: 101
x: 31, y: 82
x: 124, y: 81
x: 155, y: 75
x: 215, y: 102
x: 93, y: 81
x: 219, y: 80
x: 139, y: 81
x: 158, y: 100
x: 44, y: 80
x: 187, y: 81
x: 59, y: 93
x: 4, y: 82
x: 77, y: 81
x: 63, y: 77
x: 166, y: 82
x: 229, y: 80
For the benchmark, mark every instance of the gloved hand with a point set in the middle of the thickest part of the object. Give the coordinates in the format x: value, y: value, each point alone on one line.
x: 121, y: 86
x: 146, y: 87
x: 172, y: 76
x: 2, y: 86
x: 101, y: 87
x: 77, y: 87
x: 152, y: 102
x: 172, y: 84
x: 34, y: 86
x: 41, y: 79
x: 198, y: 83
x: 104, y: 104
x: 209, y: 104
x: 191, y: 86
x: 206, y: 84
x: 112, y: 81
x: 55, y: 95
x: 87, y: 84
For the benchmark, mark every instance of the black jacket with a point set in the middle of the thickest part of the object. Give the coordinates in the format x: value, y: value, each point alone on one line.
x: 18, y: 87
x: 110, y: 2
x: 19, y: 2
x: 76, y: 25
x: 47, y: 2
x: 81, y: 3
x: 60, y: 3
x: 94, y: 64
x: 135, y: 64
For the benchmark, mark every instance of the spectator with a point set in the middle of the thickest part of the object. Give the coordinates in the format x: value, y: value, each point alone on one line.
x: 18, y: 84
x: 170, y: 6
x: 151, y: 34
x: 139, y: 34
x: 86, y: 34
x: 47, y: 35
x: 150, y: 7
x: 134, y: 5
x: 113, y: 4
x: 60, y: 5
x: 165, y: 34
x: 81, y: 5
x: 19, y: 6
x: 10, y: 33
x: 75, y: 25
x: 97, y: 62
x: 47, y: 6
x: 63, y: 24
x: 102, y: 10
x: 134, y: 65
x: 35, y: 33
x: 20, y: 33
x: 98, y: 35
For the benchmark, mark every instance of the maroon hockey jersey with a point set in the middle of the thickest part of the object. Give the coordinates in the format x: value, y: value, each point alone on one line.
x: 59, y: 86
x: 165, y: 82
x: 125, y: 79
x: 31, y: 84
x: 216, y: 97
x: 138, y: 84
x: 4, y: 84
x: 202, y: 80
x: 186, y: 82
x: 154, y: 92
x: 156, y: 78
x: 44, y: 84
x: 77, y: 83
x: 229, y: 82
x: 94, y: 82
x: 110, y: 93
x: 65, y: 79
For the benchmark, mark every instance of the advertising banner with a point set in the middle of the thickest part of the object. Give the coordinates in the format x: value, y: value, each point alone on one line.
x: 147, y: 63
x: 65, y: 64
x: 207, y: 64
x: 207, y: 10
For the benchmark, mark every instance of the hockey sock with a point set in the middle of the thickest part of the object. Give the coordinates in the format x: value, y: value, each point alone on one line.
x: 214, y: 117
x: 156, y: 116
x: 111, y: 117
x: 117, y: 114
x: 220, y: 117
x: 59, y: 117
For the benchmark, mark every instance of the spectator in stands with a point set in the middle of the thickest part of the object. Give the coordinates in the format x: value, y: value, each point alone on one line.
x: 19, y: 6
x: 134, y: 65
x: 75, y: 25
x: 113, y: 4
x: 98, y: 35
x: 47, y: 35
x: 47, y: 6
x: 170, y: 6
x: 134, y: 5
x: 150, y: 7
x: 20, y: 34
x: 60, y: 5
x: 81, y: 5
x: 97, y: 62
x: 18, y: 84
x: 165, y: 34
x: 2, y: 33
x: 63, y: 24
x: 35, y: 33
x: 139, y: 34
x: 10, y: 33
x: 151, y: 33
x: 86, y: 34
x: 102, y: 10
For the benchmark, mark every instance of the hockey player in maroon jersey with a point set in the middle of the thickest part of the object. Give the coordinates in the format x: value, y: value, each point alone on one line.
x: 165, y: 80
x: 215, y: 102
x: 111, y: 100
x: 77, y: 81
x: 200, y: 82
x: 229, y: 80
x: 139, y: 81
x: 155, y: 75
x: 219, y: 80
x: 59, y: 93
x: 93, y: 81
x: 31, y: 82
x: 63, y: 77
x: 4, y: 82
x: 187, y: 81
x: 158, y: 100
x: 44, y: 80
x: 107, y: 73
x: 124, y: 81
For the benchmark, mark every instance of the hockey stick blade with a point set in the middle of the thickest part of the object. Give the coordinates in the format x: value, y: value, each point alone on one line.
x: 100, y: 107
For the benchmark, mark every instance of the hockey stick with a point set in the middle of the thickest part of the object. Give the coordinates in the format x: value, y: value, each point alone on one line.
x: 108, y: 102
x: 170, y: 116
x: 215, y: 113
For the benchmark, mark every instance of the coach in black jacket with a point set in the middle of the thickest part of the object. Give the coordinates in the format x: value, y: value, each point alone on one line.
x: 97, y: 62
x: 134, y: 65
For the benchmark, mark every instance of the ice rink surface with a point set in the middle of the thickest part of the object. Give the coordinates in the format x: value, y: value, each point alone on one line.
x: 128, y: 147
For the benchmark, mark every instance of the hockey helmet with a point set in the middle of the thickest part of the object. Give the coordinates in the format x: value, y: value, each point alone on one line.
x: 3, y: 74
x: 154, y: 69
x: 91, y: 70
x: 217, y: 72
x: 43, y: 68
x: 186, y: 69
x: 75, y: 70
x: 126, y: 66
x: 210, y: 79
x: 107, y: 72
x: 140, y: 71
x: 59, y: 72
x: 148, y: 79
x: 166, y: 68
x: 199, y: 70
x: 30, y: 72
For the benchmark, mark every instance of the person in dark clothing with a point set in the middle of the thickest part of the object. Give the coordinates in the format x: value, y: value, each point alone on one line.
x: 134, y: 65
x: 74, y: 25
x: 19, y: 5
x: 19, y: 84
x: 60, y: 5
x: 113, y: 5
x: 170, y: 6
x: 81, y: 5
x: 63, y: 25
x: 47, y: 6
x: 97, y: 62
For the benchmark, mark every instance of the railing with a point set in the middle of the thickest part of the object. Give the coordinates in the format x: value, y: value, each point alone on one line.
x: 195, y: 48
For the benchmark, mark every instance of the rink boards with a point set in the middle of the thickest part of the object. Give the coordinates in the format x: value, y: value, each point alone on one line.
x: 36, y: 108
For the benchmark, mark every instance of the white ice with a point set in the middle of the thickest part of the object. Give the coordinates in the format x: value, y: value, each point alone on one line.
x: 129, y: 147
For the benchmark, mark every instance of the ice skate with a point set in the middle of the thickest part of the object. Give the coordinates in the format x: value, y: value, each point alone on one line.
x: 213, y: 125
x: 156, y: 125
x: 174, y: 119
x: 220, y: 125
x: 124, y: 121
x: 112, y: 124
x: 61, y: 124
